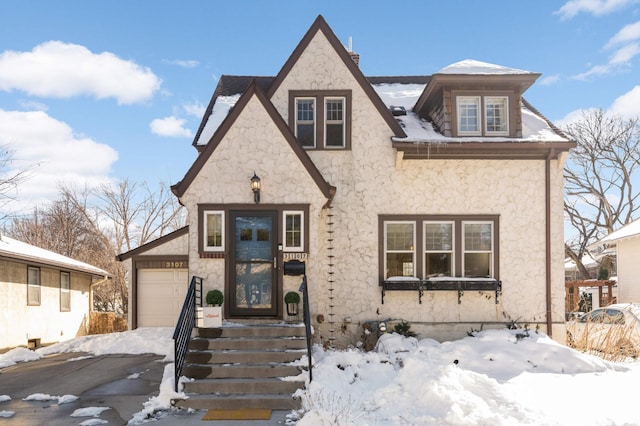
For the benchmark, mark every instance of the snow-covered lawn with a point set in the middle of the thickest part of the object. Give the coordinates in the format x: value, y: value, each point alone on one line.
x: 496, y: 377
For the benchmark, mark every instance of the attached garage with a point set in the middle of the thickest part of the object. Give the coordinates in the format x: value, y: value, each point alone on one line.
x: 158, y: 280
x: 161, y: 293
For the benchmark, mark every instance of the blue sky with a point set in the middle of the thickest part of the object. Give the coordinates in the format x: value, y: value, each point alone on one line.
x: 94, y: 92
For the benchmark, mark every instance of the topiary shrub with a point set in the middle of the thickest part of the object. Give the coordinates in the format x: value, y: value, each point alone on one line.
x: 292, y: 297
x: 214, y: 297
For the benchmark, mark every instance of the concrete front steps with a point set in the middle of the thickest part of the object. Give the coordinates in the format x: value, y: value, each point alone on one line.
x: 242, y: 366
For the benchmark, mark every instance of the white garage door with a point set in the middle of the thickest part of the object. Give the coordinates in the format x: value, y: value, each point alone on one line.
x: 161, y: 293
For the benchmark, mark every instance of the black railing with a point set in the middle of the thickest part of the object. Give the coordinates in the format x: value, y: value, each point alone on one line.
x: 297, y: 268
x: 185, y: 325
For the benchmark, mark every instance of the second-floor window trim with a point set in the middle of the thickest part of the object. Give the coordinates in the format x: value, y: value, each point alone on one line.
x: 321, y: 119
x: 482, y: 114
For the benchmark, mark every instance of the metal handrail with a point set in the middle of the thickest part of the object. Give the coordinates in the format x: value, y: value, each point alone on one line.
x: 185, y: 325
x: 307, y: 320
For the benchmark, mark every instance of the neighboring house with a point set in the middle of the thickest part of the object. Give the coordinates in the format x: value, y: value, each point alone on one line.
x: 46, y: 297
x: 627, y: 243
x: 447, y: 187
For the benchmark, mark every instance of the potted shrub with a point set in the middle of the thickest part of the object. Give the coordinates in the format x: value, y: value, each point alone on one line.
x: 212, y: 313
x: 292, y: 300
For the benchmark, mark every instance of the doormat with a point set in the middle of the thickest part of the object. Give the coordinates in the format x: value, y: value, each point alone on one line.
x: 241, y: 414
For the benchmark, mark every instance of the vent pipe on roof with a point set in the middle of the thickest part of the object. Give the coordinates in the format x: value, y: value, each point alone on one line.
x: 354, y: 56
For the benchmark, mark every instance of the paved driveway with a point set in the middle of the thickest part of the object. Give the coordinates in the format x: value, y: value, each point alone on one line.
x: 120, y: 382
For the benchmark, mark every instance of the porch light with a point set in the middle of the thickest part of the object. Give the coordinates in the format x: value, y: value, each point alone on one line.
x: 255, y: 187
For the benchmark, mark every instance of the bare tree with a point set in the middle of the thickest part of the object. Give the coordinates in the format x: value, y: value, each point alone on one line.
x: 138, y: 214
x: 94, y: 227
x: 9, y: 177
x: 599, y: 179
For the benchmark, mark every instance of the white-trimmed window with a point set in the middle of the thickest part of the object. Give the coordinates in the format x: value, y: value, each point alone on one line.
x: 482, y: 115
x: 438, y: 248
x: 399, y: 248
x: 478, y: 249
x: 305, y: 127
x: 468, y: 115
x: 65, y: 292
x: 334, y: 135
x: 293, y: 230
x: 213, y: 230
x: 495, y: 119
x: 33, y: 286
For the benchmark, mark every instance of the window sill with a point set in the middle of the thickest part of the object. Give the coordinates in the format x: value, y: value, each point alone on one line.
x: 442, y: 284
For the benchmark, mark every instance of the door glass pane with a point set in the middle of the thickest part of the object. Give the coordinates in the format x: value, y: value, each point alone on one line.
x: 253, y: 285
x: 253, y: 262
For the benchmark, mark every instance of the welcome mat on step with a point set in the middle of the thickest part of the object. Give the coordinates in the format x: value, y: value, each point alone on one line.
x: 241, y: 414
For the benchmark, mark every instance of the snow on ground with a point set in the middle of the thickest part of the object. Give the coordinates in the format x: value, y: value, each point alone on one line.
x: 496, y: 377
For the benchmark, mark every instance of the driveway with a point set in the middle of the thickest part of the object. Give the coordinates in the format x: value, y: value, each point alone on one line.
x: 120, y: 382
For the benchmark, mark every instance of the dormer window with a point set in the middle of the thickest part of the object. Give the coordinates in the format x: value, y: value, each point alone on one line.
x: 321, y: 119
x: 482, y: 115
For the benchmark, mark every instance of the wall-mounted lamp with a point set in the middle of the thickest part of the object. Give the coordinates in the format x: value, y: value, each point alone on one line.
x: 255, y: 187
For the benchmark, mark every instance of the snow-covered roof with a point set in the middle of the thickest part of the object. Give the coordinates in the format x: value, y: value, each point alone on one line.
x: 630, y: 230
x: 471, y: 66
x: 18, y: 250
x: 534, y: 127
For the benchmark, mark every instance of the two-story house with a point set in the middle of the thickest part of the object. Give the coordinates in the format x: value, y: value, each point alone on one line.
x: 433, y: 199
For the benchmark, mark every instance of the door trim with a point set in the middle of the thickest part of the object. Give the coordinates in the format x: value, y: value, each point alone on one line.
x: 275, y: 311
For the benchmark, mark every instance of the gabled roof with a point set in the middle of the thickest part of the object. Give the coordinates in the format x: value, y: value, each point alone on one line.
x: 17, y: 250
x: 229, y: 86
x: 320, y: 25
x: 253, y: 90
x: 155, y: 243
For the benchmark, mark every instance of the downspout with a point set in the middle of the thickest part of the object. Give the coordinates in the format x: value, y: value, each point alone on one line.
x: 547, y: 170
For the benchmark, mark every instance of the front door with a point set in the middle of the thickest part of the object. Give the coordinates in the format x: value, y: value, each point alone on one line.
x: 254, y: 279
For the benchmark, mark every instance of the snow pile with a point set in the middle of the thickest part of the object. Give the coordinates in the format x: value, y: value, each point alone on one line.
x: 157, y: 340
x: 497, y: 377
x: 17, y: 355
x: 64, y: 399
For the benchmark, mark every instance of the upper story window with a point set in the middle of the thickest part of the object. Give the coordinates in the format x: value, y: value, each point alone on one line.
x: 482, y: 115
x: 306, y: 121
x: 334, y: 123
x: 33, y: 286
x: 321, y: 119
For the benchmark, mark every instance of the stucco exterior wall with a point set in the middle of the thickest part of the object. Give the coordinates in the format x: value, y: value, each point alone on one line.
x: 371, y: 183
x: 20, y: 322
x: 628, y: 270
x: 254, y: 143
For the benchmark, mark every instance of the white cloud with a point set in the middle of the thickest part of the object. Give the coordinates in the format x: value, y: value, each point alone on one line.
x: 195, y: 109
x: 62, y: 70
x: 549, y: 80
x: 190, y: 63
x: 628, y: 33
x: 594, y: 7
x: 53, y: 154
x: 170, y: 127
x: 627, y: 105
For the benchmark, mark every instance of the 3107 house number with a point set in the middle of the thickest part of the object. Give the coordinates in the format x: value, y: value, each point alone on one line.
x: 175, y: 264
